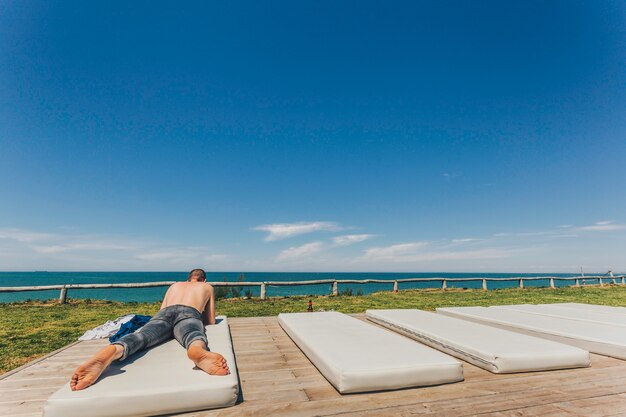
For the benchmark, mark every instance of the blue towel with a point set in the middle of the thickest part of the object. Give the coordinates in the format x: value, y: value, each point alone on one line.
x: 130, y: 326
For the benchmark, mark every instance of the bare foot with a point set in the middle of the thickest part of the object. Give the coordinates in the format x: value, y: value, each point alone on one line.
x: 210, y: 362
x: 89, y: 372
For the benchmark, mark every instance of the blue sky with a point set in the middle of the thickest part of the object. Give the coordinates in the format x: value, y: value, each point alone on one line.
x: 313, y: 136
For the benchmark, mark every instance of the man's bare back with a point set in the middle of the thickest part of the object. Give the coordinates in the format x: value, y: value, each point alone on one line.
x: 196, y: 294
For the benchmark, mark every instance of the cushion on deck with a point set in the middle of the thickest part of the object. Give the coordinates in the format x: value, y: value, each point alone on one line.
x: 355, y: 356
x: 599, y: 338
x: 160, y: 380
x: 490, y: 348
x: 594, y: 307
x: 556, y: 310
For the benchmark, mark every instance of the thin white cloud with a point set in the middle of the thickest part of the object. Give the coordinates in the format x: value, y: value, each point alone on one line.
x: 604, y: 226
x: 458, y: 255
x: 81, y: 247
x: 54, y: 243
x: 347, y: 240
x: 522, y: 234
x: 394, y: 251
x: 566, y: 230
x: 278, y: 231
x: 466, y: 240
x: 303, y: 251
x: 25, y: 236
x: 20, y: 249
x: 188, y: 255
x: 600, y: 226
x: 417, y: 252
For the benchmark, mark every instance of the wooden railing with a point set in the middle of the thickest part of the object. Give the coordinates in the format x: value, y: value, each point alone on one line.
x: 334, y: 283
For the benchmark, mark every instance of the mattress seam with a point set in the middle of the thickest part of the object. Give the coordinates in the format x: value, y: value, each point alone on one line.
x: 422, y: 336
x: 529, y: 328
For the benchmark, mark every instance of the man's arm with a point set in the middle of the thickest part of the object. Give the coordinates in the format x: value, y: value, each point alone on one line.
x: 208, y: 315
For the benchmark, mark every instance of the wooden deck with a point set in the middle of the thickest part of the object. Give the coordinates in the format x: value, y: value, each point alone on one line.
x: 278, y: 380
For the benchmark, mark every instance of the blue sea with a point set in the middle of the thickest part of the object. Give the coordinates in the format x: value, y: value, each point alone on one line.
x: 153, y: 294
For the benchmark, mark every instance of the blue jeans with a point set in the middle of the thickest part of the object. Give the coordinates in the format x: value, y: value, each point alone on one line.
x: 181, y: 322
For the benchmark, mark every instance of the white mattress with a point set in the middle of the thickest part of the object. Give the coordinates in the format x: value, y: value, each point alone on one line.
x: 355, y: 356
x: 595, y: 307
x: 493, y: 349
x: 604, y: 339
x: 160, y: 381
x: 556, y: 310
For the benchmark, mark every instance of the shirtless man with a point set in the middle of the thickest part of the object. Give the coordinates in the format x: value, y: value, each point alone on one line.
x: 180, y: 317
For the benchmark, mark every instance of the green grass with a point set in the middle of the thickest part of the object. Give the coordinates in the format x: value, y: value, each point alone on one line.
x: 31, y: 329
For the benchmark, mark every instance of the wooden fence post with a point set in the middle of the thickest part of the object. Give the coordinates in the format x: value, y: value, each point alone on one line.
x: 484, y: 284
x: 521, y: 282
x: 335, y: 290
x: 577, y: 283
x: 63, y: 295
x: 395, y: 285
x: 263, y: 291
x: 551, y: 282
x: 612, y: 277
x: 601, y: 283
x: 623, y: 282
x: 444, y: 284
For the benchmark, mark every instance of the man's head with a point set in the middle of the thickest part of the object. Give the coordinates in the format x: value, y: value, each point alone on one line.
x: 197, y: 275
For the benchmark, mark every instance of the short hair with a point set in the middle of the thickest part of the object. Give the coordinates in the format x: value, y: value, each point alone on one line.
x: 201, y: 271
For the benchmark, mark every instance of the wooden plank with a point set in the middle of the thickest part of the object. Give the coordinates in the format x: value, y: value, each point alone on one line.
x: 285, y: 384
x: 32, y: 393
x: 25, y: 384
x: 610, y: 405
x: 21, y: 407
x: 43, y: 358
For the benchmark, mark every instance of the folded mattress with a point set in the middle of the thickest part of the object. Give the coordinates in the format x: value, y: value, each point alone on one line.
x: 493, y: 349
x: 604, y: 339
x: 356, y: 356
x: 161, y: 380
x: 556, y: 310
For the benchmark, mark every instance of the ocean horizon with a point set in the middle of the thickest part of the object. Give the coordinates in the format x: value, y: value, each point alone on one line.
x: 9, y: 279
